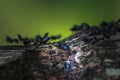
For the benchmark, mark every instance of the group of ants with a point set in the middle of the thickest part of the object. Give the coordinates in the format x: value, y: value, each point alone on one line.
x: 104, y: 29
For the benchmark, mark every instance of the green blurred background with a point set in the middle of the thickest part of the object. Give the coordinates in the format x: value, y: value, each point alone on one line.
x: 32, y: 17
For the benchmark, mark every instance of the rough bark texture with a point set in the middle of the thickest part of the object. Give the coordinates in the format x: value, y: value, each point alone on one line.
x: 100, y: 62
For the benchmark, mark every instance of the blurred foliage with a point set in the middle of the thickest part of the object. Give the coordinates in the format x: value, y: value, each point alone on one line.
x: 32, y: 17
